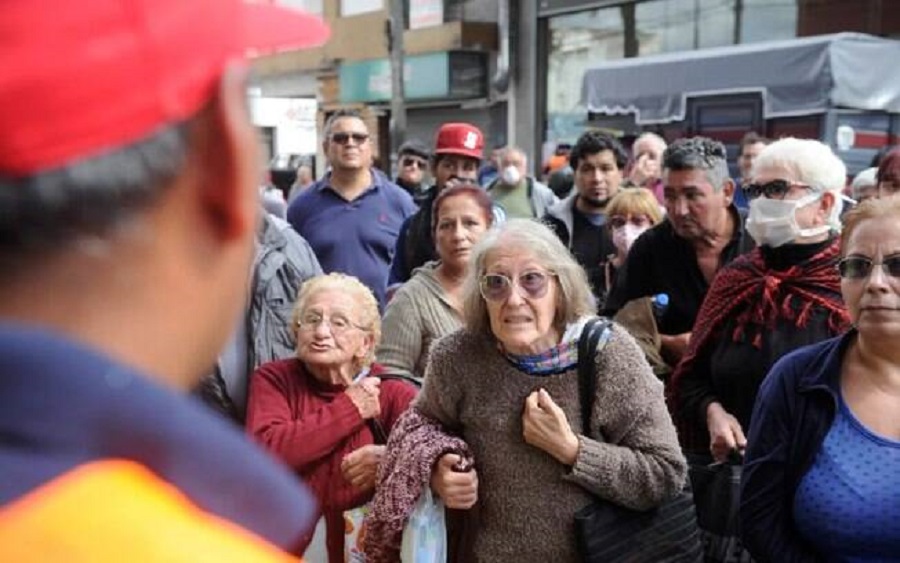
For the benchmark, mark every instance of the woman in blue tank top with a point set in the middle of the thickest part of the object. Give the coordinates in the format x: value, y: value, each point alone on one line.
x: 821, y: 478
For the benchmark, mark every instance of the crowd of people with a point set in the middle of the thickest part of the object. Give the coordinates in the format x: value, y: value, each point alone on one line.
x: 190, y: 373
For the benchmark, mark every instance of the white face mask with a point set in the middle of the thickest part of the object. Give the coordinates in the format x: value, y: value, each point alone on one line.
x: 511, y: 176
x: 624, y: 236
x: 773, y: 222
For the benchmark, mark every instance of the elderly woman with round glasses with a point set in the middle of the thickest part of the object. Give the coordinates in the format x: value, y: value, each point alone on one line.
x: 507, y: 384
x: 822, y: 472
x: 782, y: 295
x: 324, y: 411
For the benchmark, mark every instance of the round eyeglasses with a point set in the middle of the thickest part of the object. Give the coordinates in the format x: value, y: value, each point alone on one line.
x: 533, y: 285
x: 337, y: 324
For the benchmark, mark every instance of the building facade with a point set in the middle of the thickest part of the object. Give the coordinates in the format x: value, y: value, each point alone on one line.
x: 453, y: 67
x: 516, y: 68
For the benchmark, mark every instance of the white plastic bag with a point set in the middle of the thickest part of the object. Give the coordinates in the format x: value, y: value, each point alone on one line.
x: 355, y: 534
x: 425, y: 534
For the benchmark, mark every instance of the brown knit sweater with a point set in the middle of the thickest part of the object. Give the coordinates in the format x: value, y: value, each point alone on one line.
x: 527, y: 499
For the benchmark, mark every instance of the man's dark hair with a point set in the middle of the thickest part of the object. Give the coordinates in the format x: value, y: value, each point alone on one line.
x: 699, y: 153
x: 44, y: 212
x: 592, y: 142
x: 339, y: 114
x: 879, y: 156
x: 751, y: 138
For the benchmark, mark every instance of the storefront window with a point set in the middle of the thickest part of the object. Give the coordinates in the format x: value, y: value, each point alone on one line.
x: 764, y: 20
x: 581, y: 40
x: 577, y: 42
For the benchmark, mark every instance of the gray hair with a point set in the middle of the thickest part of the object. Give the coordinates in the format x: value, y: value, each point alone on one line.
x: 649, y: 137
x: 699, y: 153
x: 366, y: 306
x: 810, y: 162
x: 94, y: 197
x: 574, y: 298
x: 344, y: 113
x: 514, y: 150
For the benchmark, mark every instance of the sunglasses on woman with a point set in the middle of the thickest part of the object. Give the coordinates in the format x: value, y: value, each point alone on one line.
x: 497, y: 287
x: 858, y: 267
x: 776, y: 189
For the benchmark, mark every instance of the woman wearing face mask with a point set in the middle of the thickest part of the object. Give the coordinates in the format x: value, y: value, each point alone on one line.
x: 783, y: 295
x: 631, y: 212
x: 429, y: 305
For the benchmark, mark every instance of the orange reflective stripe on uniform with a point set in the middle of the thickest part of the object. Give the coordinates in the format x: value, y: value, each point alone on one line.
x: 115, y: 511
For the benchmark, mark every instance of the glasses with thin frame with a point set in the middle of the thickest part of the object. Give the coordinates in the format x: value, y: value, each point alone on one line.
x: 344, y: 138
x: 532, y: 284
x: 775, y: 189
x: 860, y: 267
x: 337, y: 324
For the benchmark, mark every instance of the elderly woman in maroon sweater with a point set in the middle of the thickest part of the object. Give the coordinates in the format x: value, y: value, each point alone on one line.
x: 320, y: 412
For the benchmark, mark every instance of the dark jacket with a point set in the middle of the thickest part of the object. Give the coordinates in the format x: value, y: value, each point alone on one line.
x: 794, y: 410
x: 415, y: 244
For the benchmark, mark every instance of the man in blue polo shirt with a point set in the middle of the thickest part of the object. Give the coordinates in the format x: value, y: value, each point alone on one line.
x: 352, y: 216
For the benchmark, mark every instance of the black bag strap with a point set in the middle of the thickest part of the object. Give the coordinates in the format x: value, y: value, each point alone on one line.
x: 377, y: 431
x: 588, y: 343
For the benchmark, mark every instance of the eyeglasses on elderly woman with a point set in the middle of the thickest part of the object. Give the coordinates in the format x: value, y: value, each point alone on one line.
x: 337, y: 324
x: 497, y: 287
x: 776, y: 189
x: 859, y: 267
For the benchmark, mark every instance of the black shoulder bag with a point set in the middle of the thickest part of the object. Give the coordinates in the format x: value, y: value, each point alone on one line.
x: 609, y: 533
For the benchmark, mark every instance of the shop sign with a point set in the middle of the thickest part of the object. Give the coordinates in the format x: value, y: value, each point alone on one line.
x: 441, y: 75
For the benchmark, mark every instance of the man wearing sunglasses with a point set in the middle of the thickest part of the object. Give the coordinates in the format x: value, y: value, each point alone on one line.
x: 457, y: 155
x: 412, y: 167
x: 352, y: 216
x: 702, y: 232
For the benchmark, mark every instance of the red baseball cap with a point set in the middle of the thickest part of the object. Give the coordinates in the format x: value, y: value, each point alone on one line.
x: 459, y: 138
x: 78, y: 78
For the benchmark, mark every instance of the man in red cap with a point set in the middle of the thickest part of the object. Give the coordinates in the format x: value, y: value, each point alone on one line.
x: 456, y: 158
x: 128, y: 168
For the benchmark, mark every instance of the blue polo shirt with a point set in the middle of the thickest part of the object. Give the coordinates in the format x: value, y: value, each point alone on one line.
x: 64, y: 406
x: 354, y: 237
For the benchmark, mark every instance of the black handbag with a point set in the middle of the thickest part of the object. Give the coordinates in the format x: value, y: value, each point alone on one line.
x: 608, y: 533
x: 717, y: 498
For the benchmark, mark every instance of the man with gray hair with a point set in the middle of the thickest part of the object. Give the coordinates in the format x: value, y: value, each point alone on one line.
x: 679, y: 257
x: 646, y: 164
x: 128, y: 175
x: 517, y: 192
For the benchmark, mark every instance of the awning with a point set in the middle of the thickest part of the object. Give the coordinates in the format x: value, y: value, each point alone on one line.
x: 795, y: 77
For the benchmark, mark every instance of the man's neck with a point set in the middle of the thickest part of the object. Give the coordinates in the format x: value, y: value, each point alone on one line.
x: 351, y: 183
x: 719, y: 237
x: 587, y: 208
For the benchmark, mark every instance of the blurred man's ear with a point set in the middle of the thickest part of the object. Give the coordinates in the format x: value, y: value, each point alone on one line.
x: 728, y: 188
x: 228, y: 158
